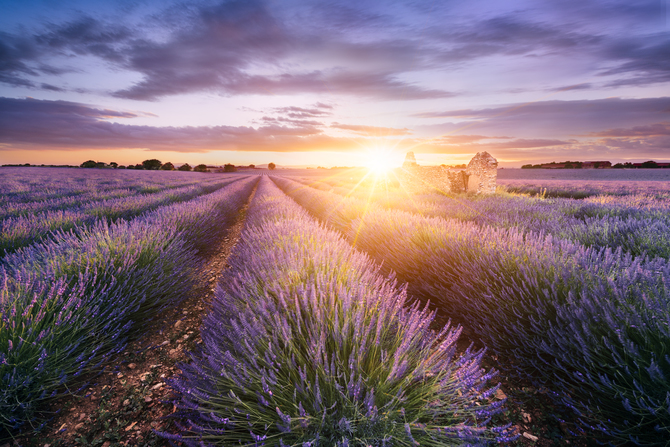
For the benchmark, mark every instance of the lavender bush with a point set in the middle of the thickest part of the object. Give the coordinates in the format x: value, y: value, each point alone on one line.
x: 589, y: 324
x: 23, y: 230
x: 69, y: 302
x: 38, y: 201
x: 31, y: 190
x: 635, y: 223
x: 307, y: 344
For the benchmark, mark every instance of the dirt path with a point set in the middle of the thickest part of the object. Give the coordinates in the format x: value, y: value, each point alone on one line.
x: 131, y: 398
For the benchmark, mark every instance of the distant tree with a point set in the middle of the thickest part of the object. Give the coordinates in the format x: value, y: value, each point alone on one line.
x: 252, y: 166
x: 100, y: 165
x: 228, y: 167
x: 88, y: 164
x: 121, y: 167
x: 649, y: 164
x: 114, y: 164
x: 152, y: 165
x: 185, y: 167
x: 618, y: 166
x: 167, y: 167
x: 271, y: 166
x: 200, y: 168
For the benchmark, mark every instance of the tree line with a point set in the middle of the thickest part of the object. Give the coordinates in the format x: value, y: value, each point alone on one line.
x: 156, y: 165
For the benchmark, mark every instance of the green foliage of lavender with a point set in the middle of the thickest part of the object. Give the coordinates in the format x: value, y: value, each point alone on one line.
x: 307, y: 344
x: 68, y: 303
x: 590, y: 324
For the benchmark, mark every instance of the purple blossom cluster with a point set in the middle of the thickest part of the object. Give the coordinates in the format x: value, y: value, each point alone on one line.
x: 70, y: 301
x: 308, y: 344
x: 39, y: 200
x: 589, y: 324
x: 22, y: 230
x: 579, y: 189
x: 26, y: 187
x: 635, y: 223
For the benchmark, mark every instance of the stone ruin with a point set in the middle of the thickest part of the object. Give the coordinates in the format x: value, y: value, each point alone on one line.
x: 410, y: 161
x: 482, y: 172
x: 479, y: 177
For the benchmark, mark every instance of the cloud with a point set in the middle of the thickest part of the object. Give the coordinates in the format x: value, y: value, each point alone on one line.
x: 523, y: 143
x: 376, y: 85
x: 15, y: 55
x: 372, y: 131
x: 582, y: 86
x: 644, y: 61
x: 637, y: 131
x: 559, y: 118
x: 255, y: 47
x: 88, y: 36
x: 293, y: 122
x: 508, y: 34
x: 614, y: 128
x: 472, y: 140
x: 61, y: 125
x: 225, y: 48
x: 318, y: 110
x: 53, y: 88
x: 464, y: 139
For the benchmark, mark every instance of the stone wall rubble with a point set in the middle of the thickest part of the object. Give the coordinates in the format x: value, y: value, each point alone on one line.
x: 479, y: 177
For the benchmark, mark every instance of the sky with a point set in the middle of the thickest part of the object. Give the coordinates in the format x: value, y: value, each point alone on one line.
x: 334, y: 83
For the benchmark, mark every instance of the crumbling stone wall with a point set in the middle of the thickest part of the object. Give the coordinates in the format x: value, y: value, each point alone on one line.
x: 482, y: 172
x: 410, y: 161
x: 479, y: 177
x: 424, y: 179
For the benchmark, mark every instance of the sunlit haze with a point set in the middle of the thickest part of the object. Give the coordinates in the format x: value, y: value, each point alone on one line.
x: 311, y: 83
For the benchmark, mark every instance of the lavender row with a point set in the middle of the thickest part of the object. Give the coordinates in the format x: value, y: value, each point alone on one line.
x: 24, y: 230
x: 71, y: 301
x: 38, y: 184
x: 591, y: 325
x: 636, y: 230
x: 636, y: 224
x: 614, y: 184
x: 68, y: 201
x: 307, y: 344
x: 579, y: 189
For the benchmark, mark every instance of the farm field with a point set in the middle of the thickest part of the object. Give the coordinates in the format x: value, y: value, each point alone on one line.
x: 331, y: 307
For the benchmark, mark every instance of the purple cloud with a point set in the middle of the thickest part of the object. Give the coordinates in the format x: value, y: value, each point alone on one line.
x: 637, y: 131
x: 372, y: 131
x: 39, y: 124
x: 559, y: 118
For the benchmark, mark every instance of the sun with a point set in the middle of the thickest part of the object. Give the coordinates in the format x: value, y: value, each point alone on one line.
x: 379, y: 160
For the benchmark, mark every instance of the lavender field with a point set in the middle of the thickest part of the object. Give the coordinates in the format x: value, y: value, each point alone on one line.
x: 351, y: 313
x: 88, y: 256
